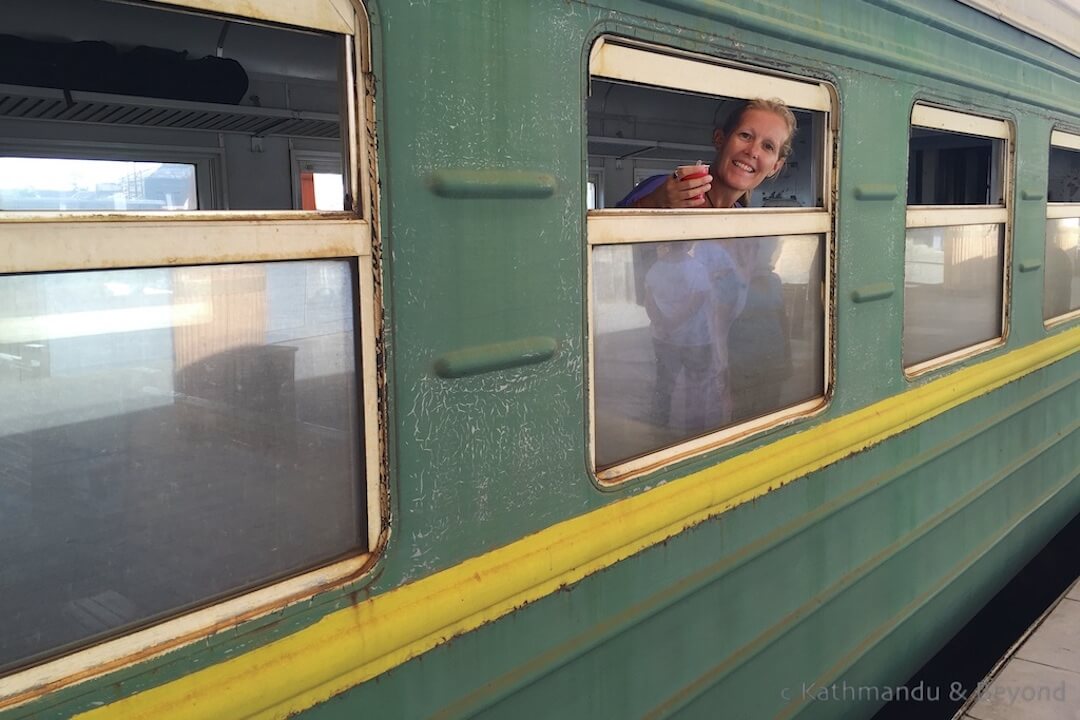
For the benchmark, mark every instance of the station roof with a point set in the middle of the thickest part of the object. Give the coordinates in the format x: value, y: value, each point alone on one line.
x: 1055, y: 21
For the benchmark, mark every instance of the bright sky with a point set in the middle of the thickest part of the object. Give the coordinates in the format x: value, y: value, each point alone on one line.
x: 59, y: 174
x: 329, y: 192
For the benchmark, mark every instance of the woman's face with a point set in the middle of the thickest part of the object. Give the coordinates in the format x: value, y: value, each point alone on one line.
x: 751, y: 152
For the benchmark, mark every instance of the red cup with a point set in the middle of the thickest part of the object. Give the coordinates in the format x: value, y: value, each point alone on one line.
x: 692, y: 172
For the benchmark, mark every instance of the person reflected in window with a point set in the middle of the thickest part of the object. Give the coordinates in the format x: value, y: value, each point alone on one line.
x: 760, y: 350
x: 729, y: 263
x: 676, y: 299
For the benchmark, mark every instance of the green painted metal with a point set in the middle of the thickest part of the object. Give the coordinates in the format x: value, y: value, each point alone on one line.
x: 874, y: 291
x: 878, y: 191
x: 857, y: 573
x: 498, y: 356
x: 492, y: 184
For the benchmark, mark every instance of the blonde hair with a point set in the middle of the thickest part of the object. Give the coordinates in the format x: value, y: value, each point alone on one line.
x: 774, y: 105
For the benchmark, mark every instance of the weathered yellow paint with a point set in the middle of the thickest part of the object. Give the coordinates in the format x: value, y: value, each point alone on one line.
x: 358, y: 643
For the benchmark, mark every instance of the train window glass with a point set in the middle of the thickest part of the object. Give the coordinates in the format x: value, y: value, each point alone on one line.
x: 956, y: 234
x: 955, y: 268
x: 114, y: 77
x: 1061, y: 278
x: 191, y: 399
x: 76, y: 184
x: 170, y: 435
x: 705, y: 324
x: 694, y: 336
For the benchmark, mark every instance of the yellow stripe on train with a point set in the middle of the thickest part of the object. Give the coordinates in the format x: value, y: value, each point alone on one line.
x: 361, y: 642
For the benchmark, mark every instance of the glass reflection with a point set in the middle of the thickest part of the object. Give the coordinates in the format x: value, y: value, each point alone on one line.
x: 952, y: 289
x: 1061, y: 291
x: 169, y: 436
x: 691, y: 337
x: 1063, y: 178
x: 950, y: 168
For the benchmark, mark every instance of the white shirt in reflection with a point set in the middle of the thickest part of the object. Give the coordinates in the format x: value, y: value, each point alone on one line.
x: 672, y: 282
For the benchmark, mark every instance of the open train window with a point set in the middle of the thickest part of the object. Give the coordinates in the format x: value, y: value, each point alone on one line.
x: 957, y: 222
x: 707, y: 321
x: 111, y: 80
x: 189, y: 433
x: 1061, y: 289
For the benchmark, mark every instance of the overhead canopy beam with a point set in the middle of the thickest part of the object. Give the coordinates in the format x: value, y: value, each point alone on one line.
x: 1055, y: 21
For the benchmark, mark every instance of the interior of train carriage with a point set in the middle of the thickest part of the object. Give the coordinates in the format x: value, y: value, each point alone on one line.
x: 177, y: 434
x: 636, y: 131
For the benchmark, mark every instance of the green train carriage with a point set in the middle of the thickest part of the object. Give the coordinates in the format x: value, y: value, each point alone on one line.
x: 274, y: 449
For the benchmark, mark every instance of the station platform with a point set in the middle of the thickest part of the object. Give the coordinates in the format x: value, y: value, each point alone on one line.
x: 1039, y: 678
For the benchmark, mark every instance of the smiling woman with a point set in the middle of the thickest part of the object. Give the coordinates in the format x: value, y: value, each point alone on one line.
x: 751, y: 148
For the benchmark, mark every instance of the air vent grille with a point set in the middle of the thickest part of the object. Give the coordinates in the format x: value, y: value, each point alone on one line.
x: 51, y: 104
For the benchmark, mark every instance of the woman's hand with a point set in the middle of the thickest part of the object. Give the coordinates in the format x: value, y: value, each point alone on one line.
x: 676, y: 193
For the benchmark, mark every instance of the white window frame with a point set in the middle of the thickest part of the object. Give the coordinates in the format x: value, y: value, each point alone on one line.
x: 1061, y: 210
x: 666, y: 68
x: 36, y: 242
x: 932, y: 117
